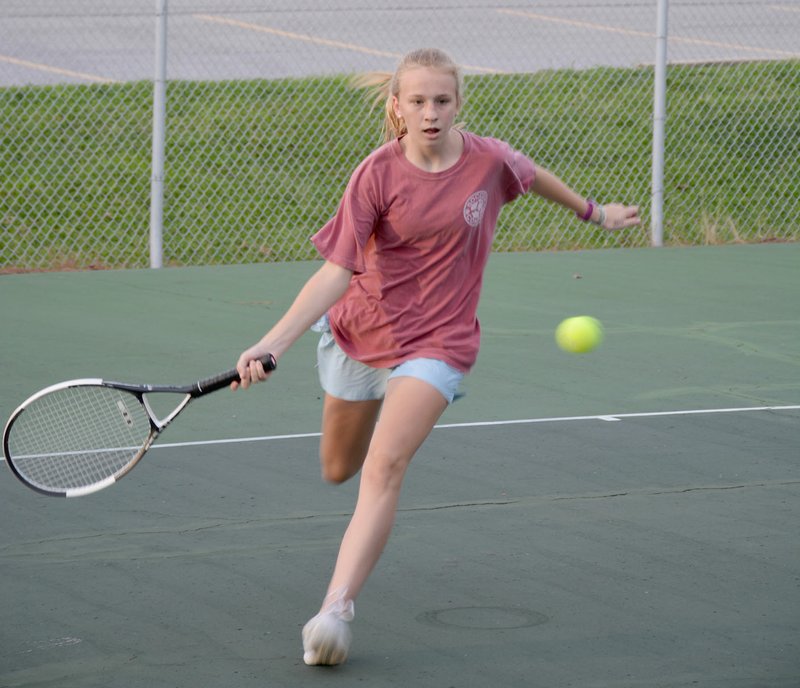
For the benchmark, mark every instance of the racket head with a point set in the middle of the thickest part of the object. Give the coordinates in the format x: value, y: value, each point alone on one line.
x: 77, y: 437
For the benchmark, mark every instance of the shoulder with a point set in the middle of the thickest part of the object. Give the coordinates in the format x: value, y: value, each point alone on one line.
x: 378, y: 161
x: 489, y: 146
x: 501, y: 152
x: 513, y: 170
x: 369, y: 183
x: 368, y: 179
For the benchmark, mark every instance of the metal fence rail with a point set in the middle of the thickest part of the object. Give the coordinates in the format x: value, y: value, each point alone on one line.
x: 262, y: 129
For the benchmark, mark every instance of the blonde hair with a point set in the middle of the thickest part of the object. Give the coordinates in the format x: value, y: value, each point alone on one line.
x: 383, y: 86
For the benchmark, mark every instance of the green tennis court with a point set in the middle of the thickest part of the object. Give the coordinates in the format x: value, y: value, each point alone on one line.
x: 627, y: 518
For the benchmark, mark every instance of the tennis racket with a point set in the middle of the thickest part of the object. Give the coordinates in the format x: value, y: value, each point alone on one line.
x: 80, y: 436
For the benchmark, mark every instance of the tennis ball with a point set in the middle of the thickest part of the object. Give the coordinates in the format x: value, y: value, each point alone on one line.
x: 579, y: 334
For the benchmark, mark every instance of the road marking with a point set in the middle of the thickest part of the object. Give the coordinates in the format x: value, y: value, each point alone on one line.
x: 784, y: 8
x: 317, y: 40
x: 56, y: 70
x: 644, y: 34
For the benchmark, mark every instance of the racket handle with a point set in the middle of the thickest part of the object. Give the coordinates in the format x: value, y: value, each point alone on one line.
x: 215, y: 382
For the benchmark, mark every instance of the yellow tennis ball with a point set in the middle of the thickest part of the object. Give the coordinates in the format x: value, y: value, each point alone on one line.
x: 579, y: 334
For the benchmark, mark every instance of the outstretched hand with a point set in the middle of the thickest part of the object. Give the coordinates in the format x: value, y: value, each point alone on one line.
x: 619, y: 216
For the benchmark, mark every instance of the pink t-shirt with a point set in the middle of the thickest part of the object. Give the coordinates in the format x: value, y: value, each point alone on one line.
x: 418, y: 243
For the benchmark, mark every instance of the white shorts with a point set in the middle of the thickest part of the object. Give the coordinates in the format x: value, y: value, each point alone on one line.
x: 351, y: 380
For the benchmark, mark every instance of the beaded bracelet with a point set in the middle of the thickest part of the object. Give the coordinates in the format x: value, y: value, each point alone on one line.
x: 601, y: 220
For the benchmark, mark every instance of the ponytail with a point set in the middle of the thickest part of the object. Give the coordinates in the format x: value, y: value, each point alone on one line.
x: 378, y: 86
x: 383, y: 86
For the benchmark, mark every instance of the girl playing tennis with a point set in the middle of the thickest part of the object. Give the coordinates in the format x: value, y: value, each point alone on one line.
x: 396, y: 302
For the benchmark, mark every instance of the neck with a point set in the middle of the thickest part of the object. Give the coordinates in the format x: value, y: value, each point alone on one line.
x: 434, y: 158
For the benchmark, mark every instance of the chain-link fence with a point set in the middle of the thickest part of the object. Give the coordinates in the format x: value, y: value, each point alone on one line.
x: 263, y: 130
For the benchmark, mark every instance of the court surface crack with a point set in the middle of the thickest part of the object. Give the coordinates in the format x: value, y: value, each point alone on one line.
x: 643, y: 492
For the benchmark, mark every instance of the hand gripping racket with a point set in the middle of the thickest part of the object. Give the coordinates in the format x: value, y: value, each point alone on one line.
x: 80, y: 436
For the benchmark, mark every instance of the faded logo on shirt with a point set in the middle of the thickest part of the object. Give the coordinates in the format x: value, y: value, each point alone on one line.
x: 475, y: 207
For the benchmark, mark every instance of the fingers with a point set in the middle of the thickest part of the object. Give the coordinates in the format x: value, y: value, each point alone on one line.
x: 244, y: 374
x: 630, y: 216
x: 257, y: 372
x: 620, y: 216
x: 250, y: 370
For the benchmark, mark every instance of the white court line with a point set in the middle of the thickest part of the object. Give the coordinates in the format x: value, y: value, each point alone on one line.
x: 608, y: 417
x: 236, y: 440
x: 619, y: 416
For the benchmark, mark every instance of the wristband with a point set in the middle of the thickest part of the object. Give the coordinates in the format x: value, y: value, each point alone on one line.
x: 589, y: 211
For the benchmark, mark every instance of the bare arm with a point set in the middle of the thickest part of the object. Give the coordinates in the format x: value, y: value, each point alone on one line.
x: 617, y: 216
x: 324, y: 288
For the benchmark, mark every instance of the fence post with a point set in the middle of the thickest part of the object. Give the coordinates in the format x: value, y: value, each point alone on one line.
x: 659, y: 122
x: 159, y: 138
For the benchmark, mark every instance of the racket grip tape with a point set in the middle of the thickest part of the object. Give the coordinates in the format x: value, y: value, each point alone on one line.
x: 215, y: 382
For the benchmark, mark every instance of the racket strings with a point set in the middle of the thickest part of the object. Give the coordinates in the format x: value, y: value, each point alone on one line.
x: 77, y: 436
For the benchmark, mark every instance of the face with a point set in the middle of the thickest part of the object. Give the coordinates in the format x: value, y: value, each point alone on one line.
x: 428, y: 103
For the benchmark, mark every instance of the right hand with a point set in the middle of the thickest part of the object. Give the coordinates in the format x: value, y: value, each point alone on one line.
x: 250, y: 367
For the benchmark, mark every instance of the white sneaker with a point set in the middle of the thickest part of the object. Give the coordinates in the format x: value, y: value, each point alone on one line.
x: 326, y: 637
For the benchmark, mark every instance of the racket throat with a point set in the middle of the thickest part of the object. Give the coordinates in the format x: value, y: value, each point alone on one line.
x: 157, y: 421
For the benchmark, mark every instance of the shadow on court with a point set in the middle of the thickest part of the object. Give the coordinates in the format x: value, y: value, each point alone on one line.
x: 627, y: 518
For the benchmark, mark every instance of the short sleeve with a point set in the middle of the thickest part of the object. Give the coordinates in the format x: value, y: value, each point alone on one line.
x: 520, y: 173
x: 344, y: 237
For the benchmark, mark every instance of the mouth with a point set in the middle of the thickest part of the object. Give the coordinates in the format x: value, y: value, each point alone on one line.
x: 431, y: 131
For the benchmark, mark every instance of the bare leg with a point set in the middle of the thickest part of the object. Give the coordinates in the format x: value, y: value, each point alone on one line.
x: 347, y: 428
x: 410, y: 410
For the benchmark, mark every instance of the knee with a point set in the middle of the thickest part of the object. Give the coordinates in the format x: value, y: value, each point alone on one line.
x: 336, y: 473
x: 384, y: 471
x: 337, y: 469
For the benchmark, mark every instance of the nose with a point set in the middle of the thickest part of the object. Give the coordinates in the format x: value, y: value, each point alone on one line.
x: 430, y: 112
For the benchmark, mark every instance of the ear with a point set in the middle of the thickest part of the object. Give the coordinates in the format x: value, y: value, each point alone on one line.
x: 396, y: 107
